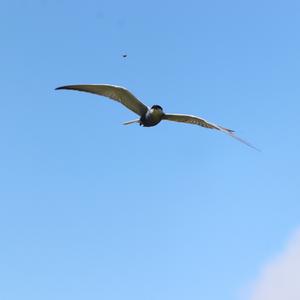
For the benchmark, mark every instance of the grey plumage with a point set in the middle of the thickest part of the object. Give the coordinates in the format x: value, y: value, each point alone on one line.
x: 116, y: 93
x: 148, y: 116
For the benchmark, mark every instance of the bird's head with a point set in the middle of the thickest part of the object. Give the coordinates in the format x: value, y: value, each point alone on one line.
x: 156, y: 107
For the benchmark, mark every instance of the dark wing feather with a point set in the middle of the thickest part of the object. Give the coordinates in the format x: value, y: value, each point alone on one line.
x: 117, y: 93
x: 201, y: 122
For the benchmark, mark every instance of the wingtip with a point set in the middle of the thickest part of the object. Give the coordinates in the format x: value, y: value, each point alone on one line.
x: 59, y: 88
x: 244, y: 142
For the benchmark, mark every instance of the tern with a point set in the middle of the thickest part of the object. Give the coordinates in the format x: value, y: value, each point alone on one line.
x: 148, y: 116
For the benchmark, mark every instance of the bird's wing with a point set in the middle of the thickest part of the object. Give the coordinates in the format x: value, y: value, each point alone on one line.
x: 201, y: 122
x: 117, y: 93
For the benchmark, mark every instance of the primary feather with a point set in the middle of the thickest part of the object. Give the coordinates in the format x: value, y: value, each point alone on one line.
x: 116, y: 93
x: 202, y: 122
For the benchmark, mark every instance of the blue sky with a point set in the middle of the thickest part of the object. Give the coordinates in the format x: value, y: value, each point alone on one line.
x: 93, y: 209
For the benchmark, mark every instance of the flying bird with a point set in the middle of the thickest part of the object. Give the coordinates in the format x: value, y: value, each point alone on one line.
x: 148, y: 116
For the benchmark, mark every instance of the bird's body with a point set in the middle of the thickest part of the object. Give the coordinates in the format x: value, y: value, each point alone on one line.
x: 148, y: 117
x: 152, y: 117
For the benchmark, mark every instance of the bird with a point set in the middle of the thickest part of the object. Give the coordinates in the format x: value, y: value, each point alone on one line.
x: 148, y: 116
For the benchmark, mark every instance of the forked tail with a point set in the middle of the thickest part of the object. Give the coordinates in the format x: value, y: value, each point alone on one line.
x: 131, y: 122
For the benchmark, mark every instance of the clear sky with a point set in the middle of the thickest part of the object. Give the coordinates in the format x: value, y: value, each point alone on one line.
x: 92, y: 209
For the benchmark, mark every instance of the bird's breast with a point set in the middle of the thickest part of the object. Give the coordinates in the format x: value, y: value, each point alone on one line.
x: 155, y: 115
x: 151, y: 118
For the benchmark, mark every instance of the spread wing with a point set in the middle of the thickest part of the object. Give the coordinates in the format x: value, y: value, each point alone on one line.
x: 201, y: 122
x: 117, y: 93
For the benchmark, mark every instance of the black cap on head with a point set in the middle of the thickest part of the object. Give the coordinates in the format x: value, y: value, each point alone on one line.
x: 156, y: 107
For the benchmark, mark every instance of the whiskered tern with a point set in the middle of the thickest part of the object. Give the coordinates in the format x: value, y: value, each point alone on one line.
x: 148, y: 117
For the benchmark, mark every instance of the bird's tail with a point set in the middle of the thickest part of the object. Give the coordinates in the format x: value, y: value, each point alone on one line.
x: 131, y: 122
